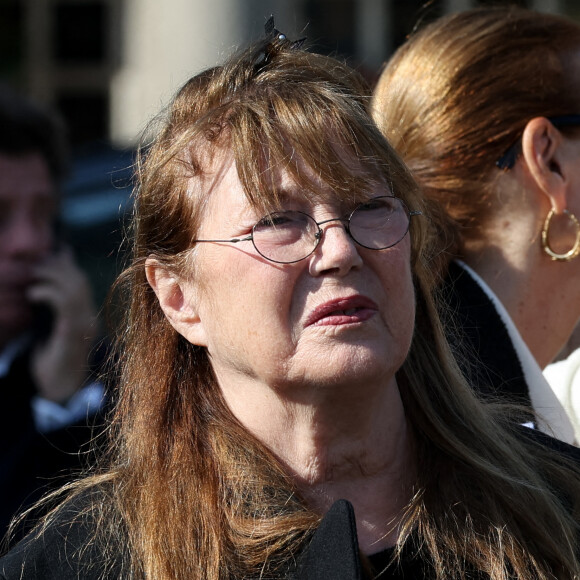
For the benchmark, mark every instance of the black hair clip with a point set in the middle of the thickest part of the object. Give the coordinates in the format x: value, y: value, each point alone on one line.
x: 273, y: 43
x: 272, y: 31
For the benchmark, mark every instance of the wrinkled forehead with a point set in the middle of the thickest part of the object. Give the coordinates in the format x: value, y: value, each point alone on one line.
x: 347, y: 180
x: 271, y: 177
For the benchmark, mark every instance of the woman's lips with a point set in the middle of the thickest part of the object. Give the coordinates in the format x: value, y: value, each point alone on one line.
x: 342, y: 311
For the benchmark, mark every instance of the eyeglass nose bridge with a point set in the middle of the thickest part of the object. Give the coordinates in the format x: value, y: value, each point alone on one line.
x: 320, y: 233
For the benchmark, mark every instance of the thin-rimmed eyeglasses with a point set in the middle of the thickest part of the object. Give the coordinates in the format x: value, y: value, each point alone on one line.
x: 286, y: 237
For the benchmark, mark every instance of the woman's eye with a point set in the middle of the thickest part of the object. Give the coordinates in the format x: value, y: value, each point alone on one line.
x: 377, y: 203
x: 274, y: 220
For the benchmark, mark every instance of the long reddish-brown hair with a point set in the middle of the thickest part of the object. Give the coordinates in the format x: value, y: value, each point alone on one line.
x: 199, y: 493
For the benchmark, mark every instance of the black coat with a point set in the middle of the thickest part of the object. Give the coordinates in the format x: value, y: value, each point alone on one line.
x: 477, y: 334
x: 488, y: 358
x: 66, y: 550
x: 32, y: 463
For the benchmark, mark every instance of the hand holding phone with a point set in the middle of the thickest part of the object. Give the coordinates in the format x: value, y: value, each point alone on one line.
x: 60, y: 358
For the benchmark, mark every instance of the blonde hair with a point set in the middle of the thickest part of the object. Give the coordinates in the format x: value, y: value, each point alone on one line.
x: 459, y: 93
x: 193, y: 493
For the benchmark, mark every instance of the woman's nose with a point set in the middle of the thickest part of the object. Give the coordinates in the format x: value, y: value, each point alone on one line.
x: 336, y: 252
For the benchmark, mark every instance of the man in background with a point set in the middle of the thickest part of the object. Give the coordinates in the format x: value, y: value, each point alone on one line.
x: 47, y: 318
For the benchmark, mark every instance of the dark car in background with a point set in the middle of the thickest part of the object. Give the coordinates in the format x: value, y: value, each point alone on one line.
x: 96, y: 202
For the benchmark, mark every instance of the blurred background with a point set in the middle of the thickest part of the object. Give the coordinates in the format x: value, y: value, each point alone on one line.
x: 108, y: 66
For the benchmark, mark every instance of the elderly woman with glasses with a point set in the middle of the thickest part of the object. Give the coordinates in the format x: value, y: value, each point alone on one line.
x: 484, y: 107
x: 289, y: 407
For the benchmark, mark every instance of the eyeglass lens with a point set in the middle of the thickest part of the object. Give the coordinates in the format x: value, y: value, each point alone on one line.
x: 291, y: 236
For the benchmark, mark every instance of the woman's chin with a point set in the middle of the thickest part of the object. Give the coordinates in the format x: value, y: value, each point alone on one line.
x: 353, y: 367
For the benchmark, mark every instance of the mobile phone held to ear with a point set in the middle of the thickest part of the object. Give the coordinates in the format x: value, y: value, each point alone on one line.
x: 44, y: 315
x: 43, y: 321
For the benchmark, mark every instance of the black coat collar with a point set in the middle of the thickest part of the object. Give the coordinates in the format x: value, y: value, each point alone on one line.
x: 477, y: 334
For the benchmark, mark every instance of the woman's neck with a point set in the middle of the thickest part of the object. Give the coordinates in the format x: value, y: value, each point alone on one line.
x: 538, y: 294
x: 352, y: 443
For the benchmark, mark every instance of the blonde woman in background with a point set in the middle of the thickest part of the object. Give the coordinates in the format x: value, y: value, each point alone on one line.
x: 484, y: 107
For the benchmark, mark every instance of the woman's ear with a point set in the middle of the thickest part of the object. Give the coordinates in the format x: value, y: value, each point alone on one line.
x: 177, y: 299
x: 542, y: 153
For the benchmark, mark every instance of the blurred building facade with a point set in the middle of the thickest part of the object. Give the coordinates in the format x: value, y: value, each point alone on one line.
x: 110, y: 65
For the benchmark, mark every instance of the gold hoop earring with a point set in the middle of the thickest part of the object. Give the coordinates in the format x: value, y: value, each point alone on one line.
x: 570, y: 254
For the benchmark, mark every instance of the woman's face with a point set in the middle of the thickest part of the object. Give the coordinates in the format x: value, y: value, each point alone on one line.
x: 343, y: 314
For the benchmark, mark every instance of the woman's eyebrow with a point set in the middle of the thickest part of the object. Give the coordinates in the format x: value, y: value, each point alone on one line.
x: 285, y: 196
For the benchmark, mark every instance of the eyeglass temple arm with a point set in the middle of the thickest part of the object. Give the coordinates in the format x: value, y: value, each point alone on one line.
x: 232, y: 241
x: 509, y: 158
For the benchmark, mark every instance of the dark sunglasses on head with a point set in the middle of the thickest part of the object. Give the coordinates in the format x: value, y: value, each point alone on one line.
x: 509, y: 158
